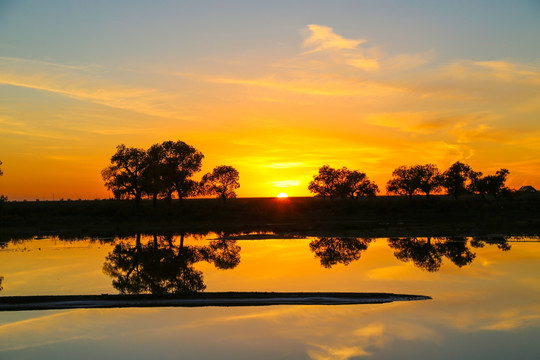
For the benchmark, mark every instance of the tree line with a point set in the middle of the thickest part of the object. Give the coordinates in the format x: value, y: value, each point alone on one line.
x: 459, y: 179
x: 164, y: 170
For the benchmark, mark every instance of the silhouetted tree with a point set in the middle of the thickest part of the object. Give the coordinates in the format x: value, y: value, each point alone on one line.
x: 359, y: 185
x: 180, y: 162
x: 325, y: 183
x: 411, y: 180
x: 124, y: 177
x: 490, y: 184
x: 3, y: 198
x: 341, y: 183
x: 428, y: 178
x: 154, y: 183
x: 457, y: 179
x: 332, y: 251
x: 1, y: 280
x: 222, y: 181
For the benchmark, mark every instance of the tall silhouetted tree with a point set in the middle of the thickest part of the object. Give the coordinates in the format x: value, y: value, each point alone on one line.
x: 341, y: 183
x: 1, y: 280
x: 1, y: 173
x: 124, y: 177
x: 154, y: 183
x: 490, y: 184
x: 180, y: 162
x: 222, y: 181
x: 457, y: 179
x: 428, y: 178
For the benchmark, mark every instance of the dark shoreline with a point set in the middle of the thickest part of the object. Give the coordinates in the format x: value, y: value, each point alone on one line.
x: 56, y: 302
x: 382, y: 216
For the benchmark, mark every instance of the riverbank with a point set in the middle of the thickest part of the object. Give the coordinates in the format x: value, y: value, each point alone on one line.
x: 382, y: 216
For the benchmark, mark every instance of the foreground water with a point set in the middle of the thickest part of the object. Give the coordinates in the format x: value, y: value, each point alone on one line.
x: 485, y: 303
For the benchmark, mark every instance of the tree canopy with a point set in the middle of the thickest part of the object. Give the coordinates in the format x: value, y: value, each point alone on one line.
x: 490, y: 184
x: 222, y: 181
x: 160, y: 171
x: 414, y: 179
x: 342, y: 183
x: 457, y: 179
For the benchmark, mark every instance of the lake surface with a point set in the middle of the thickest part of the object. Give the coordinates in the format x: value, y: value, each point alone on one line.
x: 486, y: 298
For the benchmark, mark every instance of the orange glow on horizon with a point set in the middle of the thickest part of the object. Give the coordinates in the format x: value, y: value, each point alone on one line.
x: 282, y: 195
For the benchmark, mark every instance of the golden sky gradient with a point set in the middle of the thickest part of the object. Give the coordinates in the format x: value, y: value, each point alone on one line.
x: 276, y: 99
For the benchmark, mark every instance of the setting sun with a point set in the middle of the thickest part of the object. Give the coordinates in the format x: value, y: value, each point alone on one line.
x: 282, y: 195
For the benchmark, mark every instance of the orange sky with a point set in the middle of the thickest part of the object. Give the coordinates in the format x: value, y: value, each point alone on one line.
x: 275, y: 100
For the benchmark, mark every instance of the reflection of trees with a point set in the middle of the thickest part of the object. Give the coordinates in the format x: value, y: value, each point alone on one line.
x: 501, y: 243
x: 161, y: 266
x: 424, y: 254
x: 428, y: 253
x: 332, y: 251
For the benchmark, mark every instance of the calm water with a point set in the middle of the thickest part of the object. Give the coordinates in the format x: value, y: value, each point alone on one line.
x: 486, y: 298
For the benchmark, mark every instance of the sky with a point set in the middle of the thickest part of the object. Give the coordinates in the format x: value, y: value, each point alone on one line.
x: 276, y: 89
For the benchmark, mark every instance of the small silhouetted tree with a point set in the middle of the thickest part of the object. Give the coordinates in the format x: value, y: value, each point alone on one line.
x: 403, y: 182
x: 359, y: 185
x: 124, y: 177
x: 341, y: 183
x: 3, y: 198
x: 222, y: 181
x: 1, y: 280
x: 490, y: 184
x: 457, y: 179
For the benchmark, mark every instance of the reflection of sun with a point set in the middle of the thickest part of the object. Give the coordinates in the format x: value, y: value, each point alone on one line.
x: 282, y: 195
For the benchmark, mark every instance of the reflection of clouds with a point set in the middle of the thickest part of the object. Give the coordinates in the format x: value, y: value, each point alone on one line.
x: 340, y: 353
x: 364, y: 340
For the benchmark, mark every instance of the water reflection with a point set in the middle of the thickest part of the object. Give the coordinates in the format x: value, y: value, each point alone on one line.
x: 427, y: 253
x: 332, y: 250
x: 161, y: 266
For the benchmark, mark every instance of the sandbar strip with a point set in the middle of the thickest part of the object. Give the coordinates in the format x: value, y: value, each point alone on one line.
x: 54, y: 302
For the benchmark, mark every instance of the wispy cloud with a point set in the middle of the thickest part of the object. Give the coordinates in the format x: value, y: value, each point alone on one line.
x: 89, y: 83
x: 321, y: 38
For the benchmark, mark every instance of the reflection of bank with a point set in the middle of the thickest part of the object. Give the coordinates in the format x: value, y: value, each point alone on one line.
x: 161, y: 266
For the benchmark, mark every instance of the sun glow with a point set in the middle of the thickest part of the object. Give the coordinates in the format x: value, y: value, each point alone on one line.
x: 282, y: 195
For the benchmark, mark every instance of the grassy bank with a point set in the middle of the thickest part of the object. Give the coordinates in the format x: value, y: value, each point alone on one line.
x: 379, y: 216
